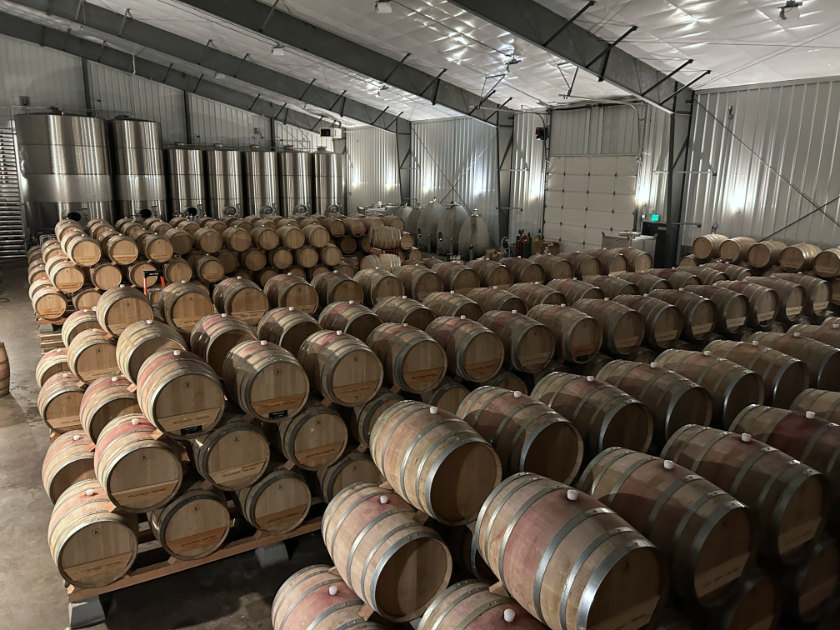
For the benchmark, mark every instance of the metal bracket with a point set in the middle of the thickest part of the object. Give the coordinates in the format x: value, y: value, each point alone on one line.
x: 254, y: 102
x: 482, y: 101
x: 684, y: 87
x: 395, y: 121
x: 125, y: 17
x: 496, y: 111
x: 395, y: 68
x: 306, y: 89
x: 280, y: 111
x: 666, y: 77
x: 606, y: 52
x: 432, y: 82
x: 317, y: 122
x: 337, y: 100
x: 379, y: 116
x: 568, y: 23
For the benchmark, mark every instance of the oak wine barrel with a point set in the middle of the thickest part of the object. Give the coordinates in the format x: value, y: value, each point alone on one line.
x: 827, y: 263
x: 663, y: 321
x: 232, y: 456
x: 732, y: 272
x: 288, y: 290
x: 491, y: 273
x: 69, y: 459
x: 798, y: 257
x: 59, y: 400
x: 582, y: 264
x: 611, y: 261
x: 447, y: 396
x: 496, y: 299
x: 470, y: 605
x: 121, y: 306
x: 354, y: 467
x: 76, y: 323
x: 411, y: 359
x: 457, y: 277
x: 529, y: 345
x: 277, y: 503
x: 823, y: 360
x: 473, y: 351
x: 404, y: 310
x: 240, y: 298
x: 183, y: 304
x: 765, y: 253
x: 377, y: 285
x: 92, y: 354
x: 104, y: 400
x: 141, y: 340
x: 734, y: 250
x: 523, y: 270
x: 452, y: 304
x: 350, y: 317
x: 623, y: 327
x: 287, y: 327
x: 365, y: 416
x: 533, y: 294
x: 554, y: 267
x: 763, y: 301
x: 312, y: 439
x: 215, y: 335
x: 50, y: 364
x: 708, y: 246
x: 817, y: 291
x: 699, y: 313
x: 418, y: 281
x: 645, y: 282
x: 207, y: 268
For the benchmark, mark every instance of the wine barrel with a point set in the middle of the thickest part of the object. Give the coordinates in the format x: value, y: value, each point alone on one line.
x: 253, y: 259
x: 818, y: 292
x: 554, y: 267
x: 644, y: 282
x: 496, y: 299
x: 528, y: 435
x: 561, y: 554
x: 827, y: 263
x: 809, y: 589
x: 353, y: 468
x: 707, y: 275
x: 457, y: 277
x: 240, y: 298
x: 533, y: 294
x: 577, y: 336
x: 575, y: 290
x: 708, y: 536
x: 473, y: 351
x: 464, y: 548
x: 784, y: 376
x: 436, y: 462
x: 812, y: 440
x: 288, y: 290
x: 673, y: 400
x: 798, y: 257
x: 105, y: 275
x: 155, y: 248
x: 824, y: 403
x: 366, y: 526
x: 316, y: 235
x: 823, y: 360
x: 418, y: 281
x: 731, y: 386
x: 50, y: 364
x: 354, y: 319
x: 281, y: 258
x: 828, y: 334
x: 385, y: 237
x: 36, y: 271
x: 69, y: 459
x: 447, y: 396
x: 365, y: 416
x: 265, y: 380
x: 582, y: 264
x: 340, y: 367
x: 765, y: 253
x: 732, y: 307
x: 65, y: 275
x: 470, y: 604
x: 377, y: 285
x: 610, y: 261
x: 91, y: 541
x: 452, y: 304
x: 732, y: 272
x: 81, y: 249
x: 638, y: 261
x: 183, y: 304
x: 265, y: 237
x: 88, y: 297
x: 160, y: 392
x: 708, y: 246
x: 734, y: 250
x: 605, y: 415
x: 76, y: 323
x: 215, y: 335
x: 237, y: 238
x: 676, y: 278
x: 206, y: 268
x: 313, y: 439
x: 403, y: 310
x: 523, y: 270
x: 141, y: 340
x: 336, y: 287
x: 663, y: 322
x: 180, y: 240
x: 411, y: 359
x: 491, y: 273
x: 232, y: 456
x: 177, y: 270
x: 317, y: 599
x: 136, y: 274
x: 121, y: 249
x: 789, y: 498
x: 207, y: 240
x: 47, y: 301
x: 763, y: 301
x: 92, y: 354
x: 291, y: 236
x: 287, y: 327
x: 121, y: 306
x: 106, y: 399
x: 277, y: 503
x: 529, y: 345
x: 623, y: 328
x: 194, y: 524
x: 138, y: 468
x: 699, y: 313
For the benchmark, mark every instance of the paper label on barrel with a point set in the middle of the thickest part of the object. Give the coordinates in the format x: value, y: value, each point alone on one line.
x: 196, y: 418
x: 632, y: 618
x: 107, y: 566
x: 196, y: 541
x: 277, y: 415
x: 797, y: 536
x: 716, y: 577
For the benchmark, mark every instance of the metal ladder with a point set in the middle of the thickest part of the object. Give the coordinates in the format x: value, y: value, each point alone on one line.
x: 11, y: 208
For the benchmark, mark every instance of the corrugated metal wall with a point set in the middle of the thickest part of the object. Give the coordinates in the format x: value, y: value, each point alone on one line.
x: 455, y: 160
x: 212, y: 122
x: 302, y: 139
x: 372, y: 170
x: 775, y: 152
x: 113, y: 92
x: 600, y: 130
x: 527, y: 187
x: 46, y: 76
x: 653, y: 161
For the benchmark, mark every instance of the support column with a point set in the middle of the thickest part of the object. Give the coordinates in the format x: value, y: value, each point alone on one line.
x: 504, y: 156
x: 403, y: 132
x: 678, y: 147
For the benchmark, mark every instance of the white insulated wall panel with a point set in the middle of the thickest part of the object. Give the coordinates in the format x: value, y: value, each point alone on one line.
x: 212, y: 122
x: 300, y: 139
x: 372, y: 168
x: 527, y: 186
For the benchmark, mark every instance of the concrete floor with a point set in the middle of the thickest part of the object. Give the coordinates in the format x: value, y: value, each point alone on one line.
x: 233, y: 593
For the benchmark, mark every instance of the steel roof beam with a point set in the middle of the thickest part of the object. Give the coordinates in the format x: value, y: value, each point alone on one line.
x: 63, y: 41
x: 181, y: 48
x: 267, y: 20
x: 531, y: 21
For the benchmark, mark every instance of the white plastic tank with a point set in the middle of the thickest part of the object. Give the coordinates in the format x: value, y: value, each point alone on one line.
x: 427, y: 226
x: 410, y: 216
x: 449, y: 228
x: 474, y: 237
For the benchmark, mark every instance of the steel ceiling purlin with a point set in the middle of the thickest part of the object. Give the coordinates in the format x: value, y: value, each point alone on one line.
x: 201, y: 54
x: 264, y: 19
x: 532, y: 21
x: 19, y: 28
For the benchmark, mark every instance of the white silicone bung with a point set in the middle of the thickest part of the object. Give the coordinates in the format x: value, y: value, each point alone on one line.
x: 509, y: 615
x: 113, y: 379
x: 77, y: 437
x: 89, y: 492
x: 333, y: 590
x: 148, y: 322
x: 517, y: 394
x: 755, y: 343
x: 746, y: 437
x: 680, y: 289
x: 134, y: 421
x: 452, y: 293
x: 177, y: 353
x: 339, y: 332
x: 706, y: 353
x: 351, y: 302
x: 383, y: 499
x: 291, y: 308
x: 590, y: 379
x: 796, y: 334
x: 572, y: 494
x: 463, y: 317
x: 513, y: 311
x: 835, y: 325
x: 606, y: 299
x: 433, y: 410
x: 405, y: 296
x: 654, y: 364
x: 335, y: 270
x: 239, y: 277
x: 810, y: 415
x: 562, y: 305
x: 263, y: 342
x: 224, y: 314
x: 494, y: 287
x: 183, y: 282
x: 668, y: 464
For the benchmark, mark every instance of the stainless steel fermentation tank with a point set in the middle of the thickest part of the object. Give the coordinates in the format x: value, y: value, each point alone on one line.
x: 64, y: 169
x: 296, y: 174
x: 185, y: 174
x: 139, y: 174
x: 262, y: 182
x: 328, y: 171
x: 224, y: 182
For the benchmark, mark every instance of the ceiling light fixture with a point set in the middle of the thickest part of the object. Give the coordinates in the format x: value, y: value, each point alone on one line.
x: 383, y: 6
x: 278, y: 51
x: 790, y: 9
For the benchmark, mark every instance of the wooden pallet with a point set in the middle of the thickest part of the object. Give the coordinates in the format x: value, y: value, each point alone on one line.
x: 172, y: 565
x: 49, y: 337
